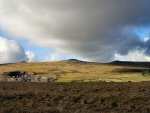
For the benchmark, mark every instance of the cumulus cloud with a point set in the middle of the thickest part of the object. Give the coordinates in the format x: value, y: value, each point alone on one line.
x: 30, y: 56
x: 10, y: 51
x: 91, y: 29
x: 135, y: 55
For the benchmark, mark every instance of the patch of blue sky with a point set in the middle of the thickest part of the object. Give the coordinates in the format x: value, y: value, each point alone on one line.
x: 41, y: 53
x: 143, y: 32
x: 4, y: 33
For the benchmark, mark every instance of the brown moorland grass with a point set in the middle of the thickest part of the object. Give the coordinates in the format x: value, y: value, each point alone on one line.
x: 67, y: 71
x: 76, y: 97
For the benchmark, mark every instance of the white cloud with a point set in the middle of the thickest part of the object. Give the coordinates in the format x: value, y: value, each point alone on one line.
x: 57, y: 56
x: 54, y: 57
x: 145, y: 39
x: 30, y: 56
x: 10, y: 51
x: 136, y: 55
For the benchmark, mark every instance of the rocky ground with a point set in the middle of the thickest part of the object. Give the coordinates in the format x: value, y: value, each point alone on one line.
x: 92, y: 97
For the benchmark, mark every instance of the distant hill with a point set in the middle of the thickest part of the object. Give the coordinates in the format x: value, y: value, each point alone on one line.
x: 76, y: 61
x: 130, y: 63
x: 13, y: 63
x: 117, y: 63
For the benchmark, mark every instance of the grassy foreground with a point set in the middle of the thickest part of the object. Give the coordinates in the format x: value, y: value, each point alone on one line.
x: 92, y: 97
x: 68, y: 71
x: 78, y: 89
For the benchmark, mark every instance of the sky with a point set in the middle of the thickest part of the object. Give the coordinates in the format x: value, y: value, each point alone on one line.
x: 92, y: 30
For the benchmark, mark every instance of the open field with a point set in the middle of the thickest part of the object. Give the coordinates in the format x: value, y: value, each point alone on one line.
x: 80, y: 87
x: 72, y: 70
x: 92, y: 97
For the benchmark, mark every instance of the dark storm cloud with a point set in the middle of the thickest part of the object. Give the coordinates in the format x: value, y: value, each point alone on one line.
x: 92, y: 29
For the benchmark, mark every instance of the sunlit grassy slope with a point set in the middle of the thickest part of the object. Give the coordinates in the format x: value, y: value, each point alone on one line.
x: 67, y: 71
